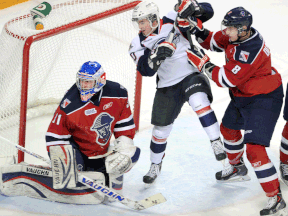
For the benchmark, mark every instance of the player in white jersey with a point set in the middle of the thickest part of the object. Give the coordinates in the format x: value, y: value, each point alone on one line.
x: 177, y: 80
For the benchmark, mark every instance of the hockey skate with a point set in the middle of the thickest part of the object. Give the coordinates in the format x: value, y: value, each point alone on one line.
x: 217, y: 147
x: 284, y: 172
x: 153, y: 173
x: 233, y: 173
x: 275, y: 206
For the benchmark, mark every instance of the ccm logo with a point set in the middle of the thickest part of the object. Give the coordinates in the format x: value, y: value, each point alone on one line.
x: 106, y: 106
x: 203, y: 61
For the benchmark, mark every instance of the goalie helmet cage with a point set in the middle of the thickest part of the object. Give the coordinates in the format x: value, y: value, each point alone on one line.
x: 38, y: 67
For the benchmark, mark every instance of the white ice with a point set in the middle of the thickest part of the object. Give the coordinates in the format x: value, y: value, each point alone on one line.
x: 187, y: 179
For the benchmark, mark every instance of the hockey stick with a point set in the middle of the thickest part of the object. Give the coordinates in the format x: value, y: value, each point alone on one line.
x: 136, y: 205
x: 172, y: 33
x: 190, y: 39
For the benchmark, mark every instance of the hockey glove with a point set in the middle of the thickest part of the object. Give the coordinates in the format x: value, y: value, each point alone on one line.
x: 187, y: 8
x: 198, y: 59
x: 191, y: 24
x: 124, y: 157
x: 164, y: 50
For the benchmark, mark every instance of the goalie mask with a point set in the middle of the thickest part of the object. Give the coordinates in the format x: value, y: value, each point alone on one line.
x: 146, y: 10
x: 90, y: 79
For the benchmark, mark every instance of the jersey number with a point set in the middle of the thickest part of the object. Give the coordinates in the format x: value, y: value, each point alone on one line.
x: 236, y: 69
x: 57, y: 119
x: 133, y: 56
x: 266, y: 50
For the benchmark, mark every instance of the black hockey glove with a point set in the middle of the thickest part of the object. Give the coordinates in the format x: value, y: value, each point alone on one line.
x: 191, y: 24
x: 188, y: 8
x: 164, y: 50
x: 198, y: 59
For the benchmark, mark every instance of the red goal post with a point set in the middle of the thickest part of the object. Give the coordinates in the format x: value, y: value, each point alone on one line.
x: 40, y: 66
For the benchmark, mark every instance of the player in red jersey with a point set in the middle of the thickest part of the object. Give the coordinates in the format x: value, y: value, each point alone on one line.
x: 284, y: 144
x: 92, y: 111
x: 256, y: 94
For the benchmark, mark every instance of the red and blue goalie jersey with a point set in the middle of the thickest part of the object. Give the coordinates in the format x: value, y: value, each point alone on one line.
x: 248, y: 69
x: 92, y: 124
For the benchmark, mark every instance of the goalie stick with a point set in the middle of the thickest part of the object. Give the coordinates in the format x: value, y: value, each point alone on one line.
x: 136, y: 205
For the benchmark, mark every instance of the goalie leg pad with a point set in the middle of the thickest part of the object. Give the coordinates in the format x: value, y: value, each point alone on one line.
x: 36, y: 182
x: 63, y: 166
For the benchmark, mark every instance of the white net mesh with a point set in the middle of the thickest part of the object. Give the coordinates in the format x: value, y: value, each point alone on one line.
x: 54, y: 61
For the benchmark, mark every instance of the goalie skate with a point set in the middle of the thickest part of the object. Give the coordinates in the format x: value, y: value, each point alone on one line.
x: 275, y: 206
x: 153, y: 173
x: 284, y: 172
x: 233, y: 173
x: 219, y: 152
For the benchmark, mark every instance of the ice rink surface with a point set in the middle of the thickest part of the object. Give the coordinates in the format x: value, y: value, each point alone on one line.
x: 187, y: 179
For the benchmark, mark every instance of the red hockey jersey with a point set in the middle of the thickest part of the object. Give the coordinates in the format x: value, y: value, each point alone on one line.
x: 92, y: 124
x: 248, y: 69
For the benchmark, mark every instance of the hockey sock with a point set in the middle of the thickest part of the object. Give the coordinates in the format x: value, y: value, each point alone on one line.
x: 159, y: 142
x: 233, y: 144
x: 201, y: 105
x: 209, y: 122
x: 284, y: 145
x: 264, y: 168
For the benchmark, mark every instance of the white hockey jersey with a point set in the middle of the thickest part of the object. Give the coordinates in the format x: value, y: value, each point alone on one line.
x: 173, y: 69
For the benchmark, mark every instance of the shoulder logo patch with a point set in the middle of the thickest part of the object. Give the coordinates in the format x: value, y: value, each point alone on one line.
x: 90, y: 111
x: 244, y: 56
x: 65, y: 103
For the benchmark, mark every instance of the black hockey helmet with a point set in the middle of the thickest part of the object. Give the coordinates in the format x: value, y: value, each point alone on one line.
x: 238, y: 17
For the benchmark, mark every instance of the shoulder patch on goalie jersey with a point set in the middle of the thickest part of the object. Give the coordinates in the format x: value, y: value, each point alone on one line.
x: 65, y: 103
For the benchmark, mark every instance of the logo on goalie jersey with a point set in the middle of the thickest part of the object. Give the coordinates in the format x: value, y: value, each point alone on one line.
x: 65, y: 103
x: 106, y: 106
x: 90, y: 111
x: 102, y: 126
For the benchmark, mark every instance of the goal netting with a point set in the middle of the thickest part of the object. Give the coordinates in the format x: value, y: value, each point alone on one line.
x: 37, y: 67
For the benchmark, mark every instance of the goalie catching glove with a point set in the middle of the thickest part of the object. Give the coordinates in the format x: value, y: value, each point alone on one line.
x: 198, y: 59
x: 188, y: 8
x: 191, y: 24
x: 164, y: 50
x: 124, y: 157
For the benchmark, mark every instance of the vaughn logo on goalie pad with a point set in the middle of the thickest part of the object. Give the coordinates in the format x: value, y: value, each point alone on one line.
x: 38, y: 171
x: 63, y: 166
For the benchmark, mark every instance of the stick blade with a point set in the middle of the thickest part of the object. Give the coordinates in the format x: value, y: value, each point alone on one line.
x: 151, y: 201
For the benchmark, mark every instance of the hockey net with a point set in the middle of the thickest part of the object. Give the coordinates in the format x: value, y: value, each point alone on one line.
x: 38, y: 67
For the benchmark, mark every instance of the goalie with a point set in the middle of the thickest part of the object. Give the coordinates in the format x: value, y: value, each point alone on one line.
x: 78, y: 140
